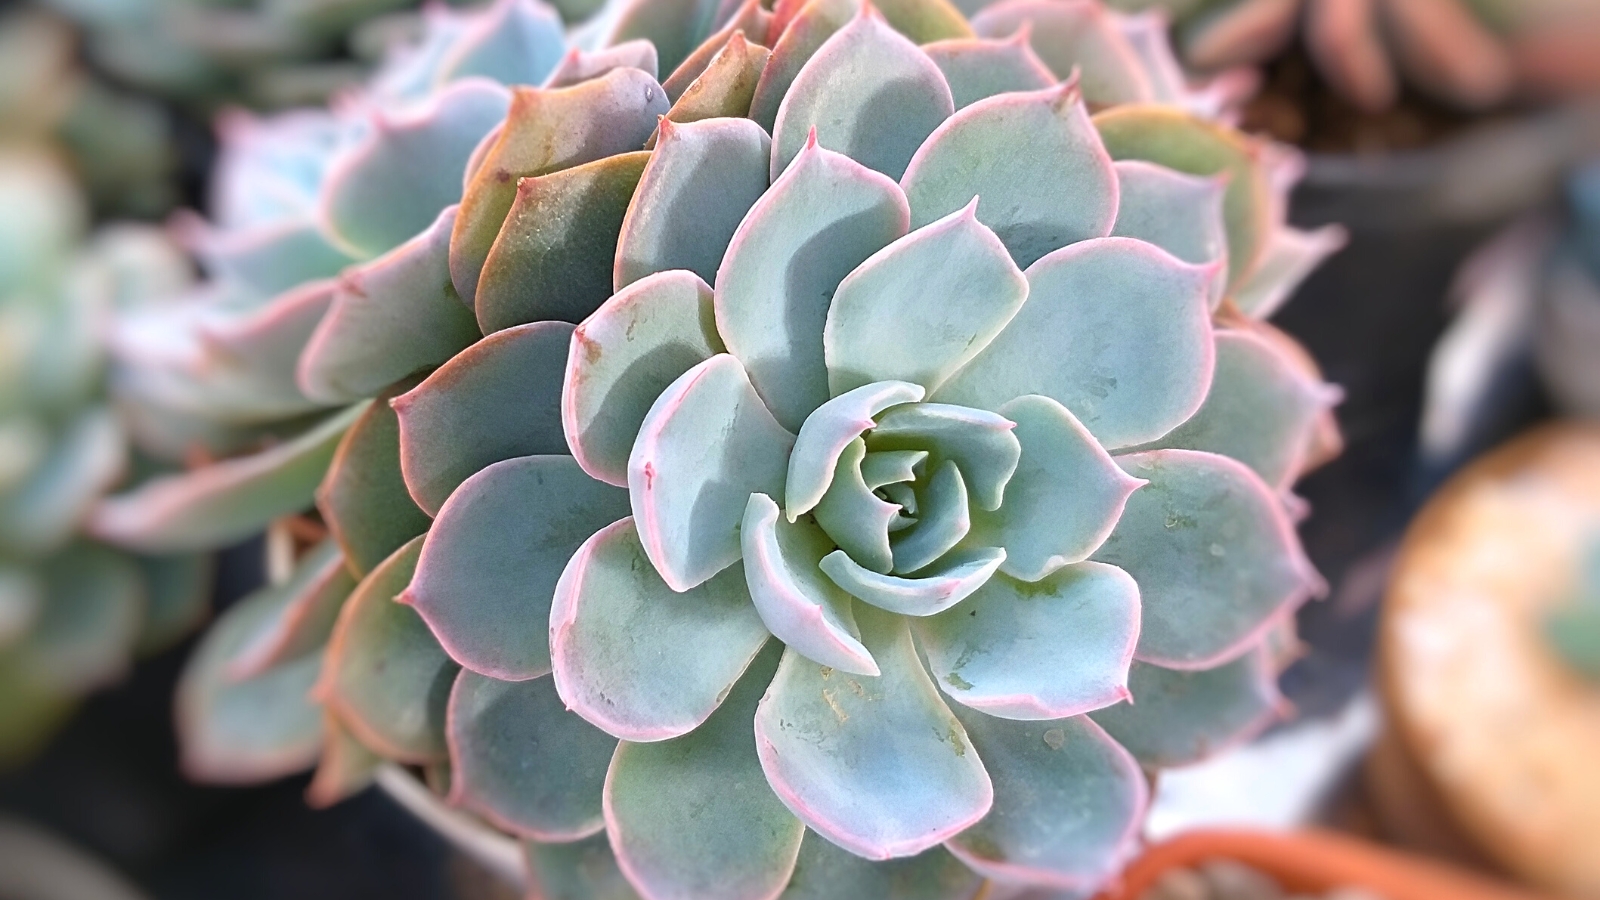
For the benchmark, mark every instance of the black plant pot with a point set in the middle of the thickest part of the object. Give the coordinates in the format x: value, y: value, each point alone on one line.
x: 1371, y: 315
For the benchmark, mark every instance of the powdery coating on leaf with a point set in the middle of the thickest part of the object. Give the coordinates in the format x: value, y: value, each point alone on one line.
x: 922, y: 307
x: 1080, y: 35
x: 634, y: 657
x: 522, y: 761
x: 383, y: 674
x: 693, y: 818
x: 818, y: 222
x: 992, y: 150
x: 393, y: 316
x: 1082, y: 339
x: 1176, y: 718
x: 825, y: 434
x: 454, y: 423
x: 1040, y: 769
x: 879, y: 766
x: 869, y: 92
x: 1064, y: 498
x: 977, y: 69
x: 489, y: 567
x: 1047, y: 650
x: 797, y: 604
x: 382, y: 191
x: 1215, y: 554
x: 233, y: 731
x: 701, y: 180
x: 706, y: 445
x: 623, y: 356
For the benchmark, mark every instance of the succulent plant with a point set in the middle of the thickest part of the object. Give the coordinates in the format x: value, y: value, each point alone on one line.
x: 262, y: 53
x: 610, y: 392
x: 1472, y: 54
x: 118, y: 146
x: 73, y: 613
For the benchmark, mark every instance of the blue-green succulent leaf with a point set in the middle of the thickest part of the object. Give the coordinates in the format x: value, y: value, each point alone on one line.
x: 1041, y: 770
x: 932, y: 590
x: 490, y: 563
x: 701, y: 180
x: 225, y: 502
x: 245, y: 731
x: 633, y: 347
x: 393, y: 316
x: 498, y: 399
x: 512, y: 43
x: 882, y: 468
x: 676, y: 27
x: 824, y: 871
x: 1115, y: 329
x: 867, y: 92
x: 310, y: 603
x: 706, y: 445
x: 943, y: 521
x: 1042, y: 178
x: 820, y: 220
x: 727, y: 85
x: 801, y: 607
x: 521, y: 760
x: 693, y: 818
x: 1082, y: 37
x: 581, y: 870
x: 977, y: 68
x: 981, y: 443
x: 386, y: 189
x: 828, y: 430
x: 1262, y: 410
x: 581, y: 65
x: 923, y: 306
x: 801, y: 36
x: 638, y: 659
x: 270, y: 259
x: 880, y: 766
x: 854, y: 517
x: 84, y: 634
x: 363, y: 498
x: 1054, y: 648
x: 384, y: 675
x: 1214, y: 552
x: 1180, y: 213
x: 1064, y: 498
x: 1176, y: 718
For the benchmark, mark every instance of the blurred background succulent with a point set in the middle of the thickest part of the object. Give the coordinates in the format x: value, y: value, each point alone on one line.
x: 1470, y: 54
x: 393, y: 289
x: 259, y: 53
x: 73, y: 613
x: 119, y: 146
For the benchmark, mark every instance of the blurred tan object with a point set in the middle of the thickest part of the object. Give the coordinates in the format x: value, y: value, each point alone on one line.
x: 1495, y: 723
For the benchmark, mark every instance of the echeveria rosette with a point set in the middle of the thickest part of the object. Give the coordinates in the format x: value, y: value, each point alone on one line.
x: 934, y: 446
x: 73, y: 614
